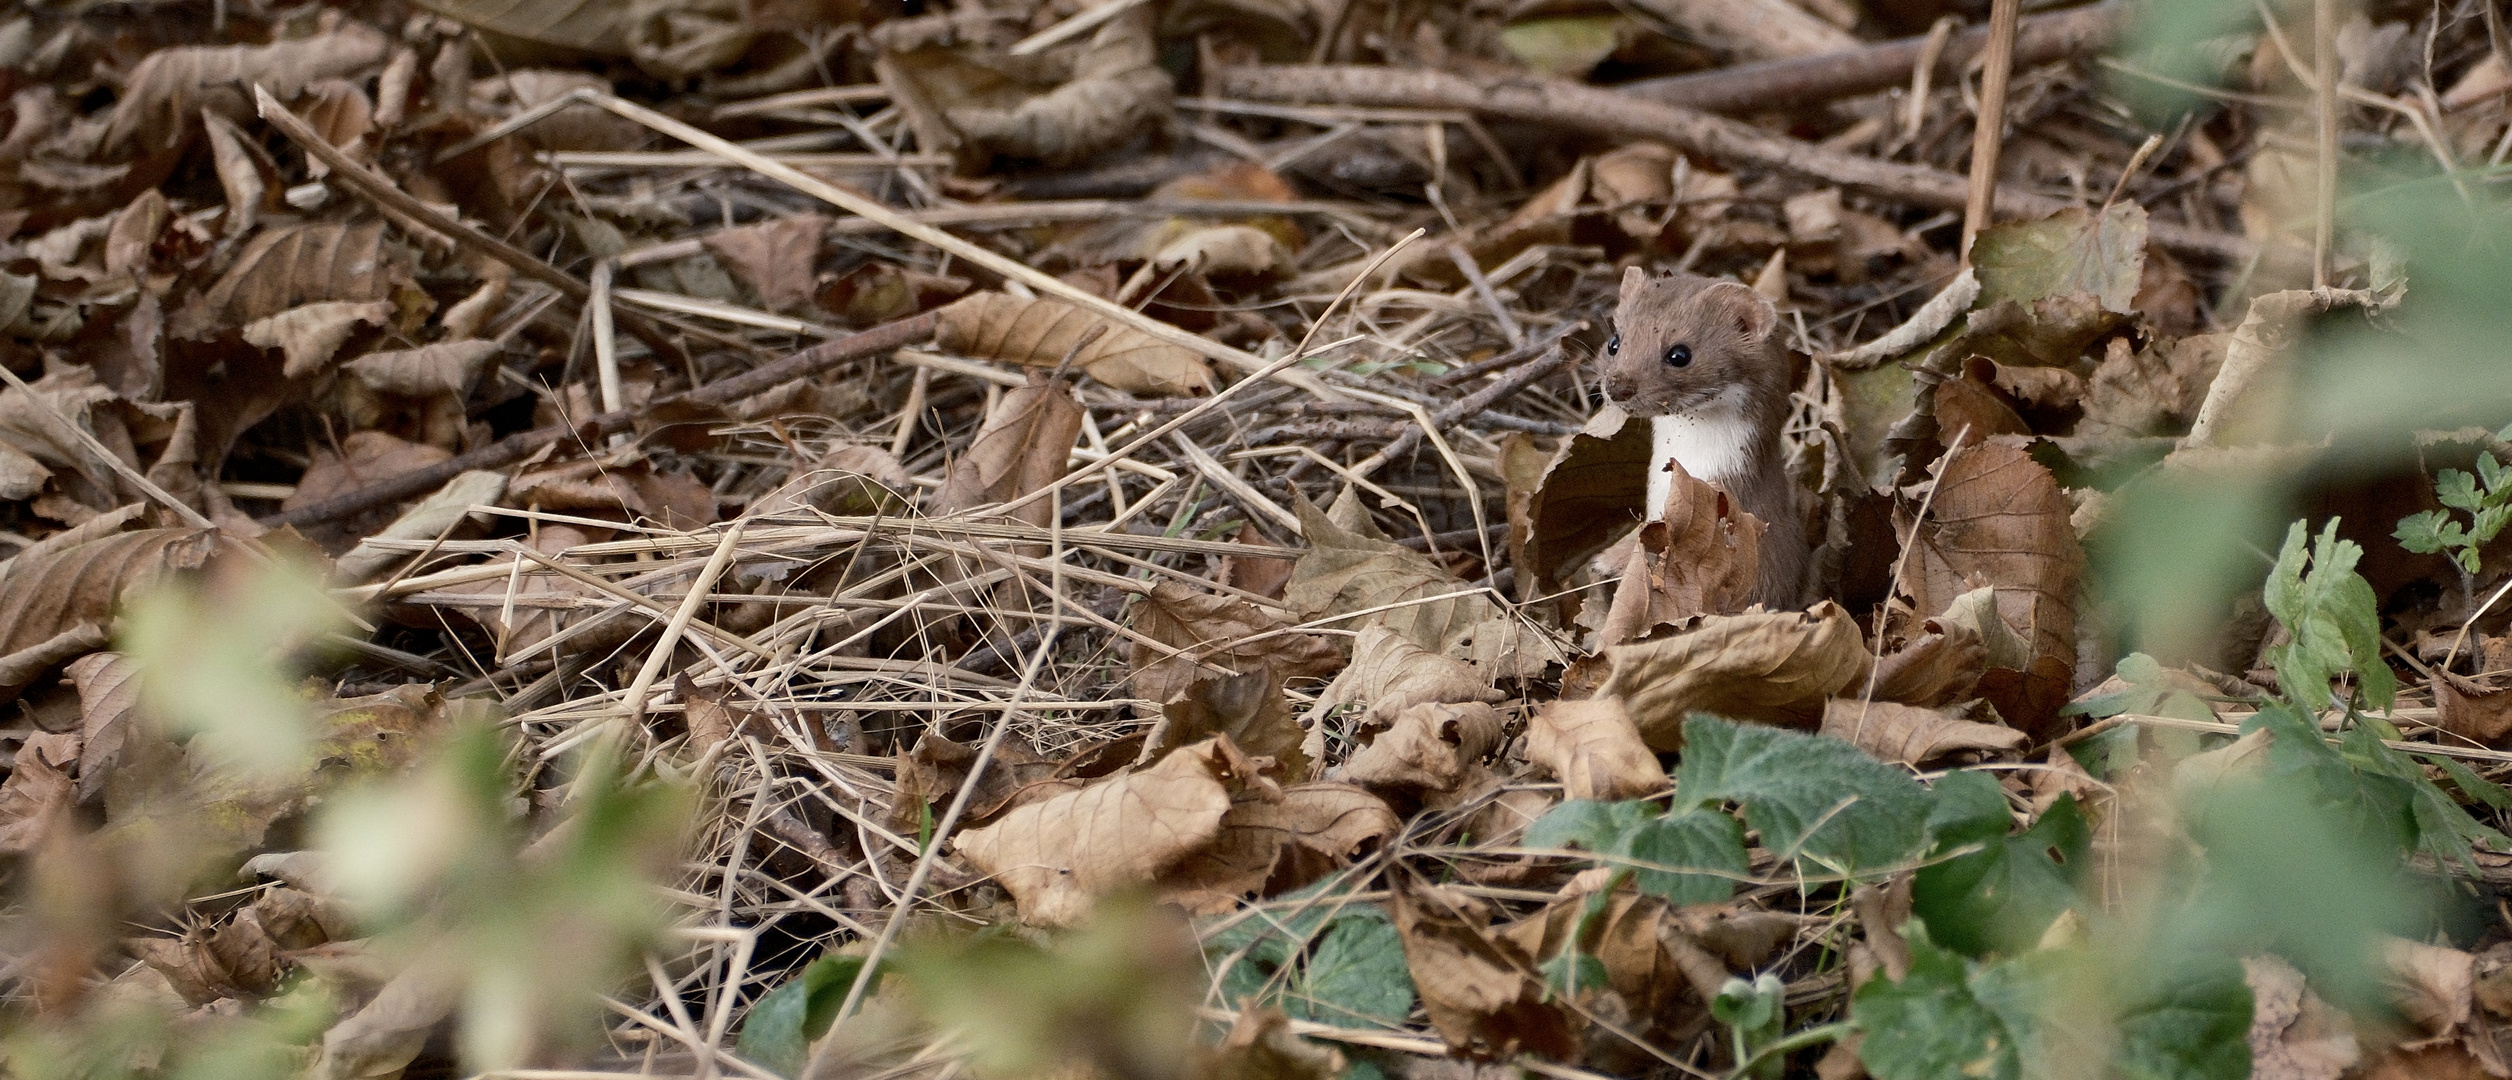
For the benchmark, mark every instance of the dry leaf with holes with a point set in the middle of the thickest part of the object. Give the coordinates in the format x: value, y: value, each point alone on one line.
x: 58, y: 596
x: 1912, y: 735
x: 308, y: 335
x: 163, y: 90
x: 1023, y: 447
x: 1059, y: 856
x: 1248, y: 708
x: 290, y: 266
x: 1041, y: 333
x: 1702, y: 558
x: 774, y: 258
x: 1595, y: 749
x: 2294, y: 1035
x: 1769, y: 668
x: 1999, y: 519
x: 1432, y: 747
x: 445, y: 369
x: 1389, y: 674
x: 1477, y: 985
x: 1937, y: 667
x: 1217, y: 629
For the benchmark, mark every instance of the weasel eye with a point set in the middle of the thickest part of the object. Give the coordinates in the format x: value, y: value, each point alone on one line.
x: 1613, y: 345
x: 1679, y: 356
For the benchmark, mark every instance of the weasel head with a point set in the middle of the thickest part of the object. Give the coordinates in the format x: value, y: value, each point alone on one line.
x: 1681, y: 343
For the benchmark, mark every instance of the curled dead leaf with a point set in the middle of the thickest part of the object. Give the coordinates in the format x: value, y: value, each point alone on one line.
x: 849, y: 479
x: 1249, y: 708
x: 1770, y: 668
x: 1912, y: 735
x: 1060, y: 107
x: 774, y: 258
x: 1702, y: 558
x: 1040, y: 333
x: 1999, y: 519
x: 1936, y: 667
x: 286, y: 267
x: 1058, y: 856
x: 57, y: 596
x: 164, y: 89
x: 2294, y: 1035
x: 1390, y: 674
x: 309, y: 334
x: 1478, y: 986
x: 445, y: 369
x: 1224, y: 630
x: 1024, y: 446
x: 1596, y: 483
x: 1431, y: 747
x: 1595, y: 749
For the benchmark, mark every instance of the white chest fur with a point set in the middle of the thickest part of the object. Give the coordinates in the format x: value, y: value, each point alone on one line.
x: 1710, y: 442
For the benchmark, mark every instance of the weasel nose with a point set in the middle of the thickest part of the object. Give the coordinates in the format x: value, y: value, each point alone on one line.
x: 1618, y: 386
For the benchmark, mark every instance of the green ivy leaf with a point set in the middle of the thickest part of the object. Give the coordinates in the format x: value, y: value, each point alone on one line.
x: 1596, y: 826
x: 2000, y: 898
x: 1357, y: 977
x: 1818, y: 799
x: 778, y: 1032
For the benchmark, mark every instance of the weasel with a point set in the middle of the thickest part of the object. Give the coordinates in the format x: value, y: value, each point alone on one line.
x: 1700, y: 359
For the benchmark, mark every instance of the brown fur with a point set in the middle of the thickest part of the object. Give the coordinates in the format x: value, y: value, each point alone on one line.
x: 1731, y: 333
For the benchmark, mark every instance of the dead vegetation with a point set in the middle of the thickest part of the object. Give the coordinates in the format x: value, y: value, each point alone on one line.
x: 794, y: 482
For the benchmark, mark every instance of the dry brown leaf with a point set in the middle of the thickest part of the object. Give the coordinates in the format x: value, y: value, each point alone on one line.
x: 1999, y: 519
x: 1478, y: 987
x: 165, y: 88
x: 2433, y: 987
x: 27, y: 418
x: 69, y: 587
x: 1625, y: 178
x: 1260, y: 1046
x: 1768, y: 668
x: 439, y: 514
x: 2293, y: 1034
x: 1224, y: 250
x: 1427, y: 748
x: 109, y: 696
x: 2471, y: 710
x: 545, y: 602
x: 676, y: 500
x: 1702, y: 558
x: 1347, y: 570
x: 38, y: 791
x: 308, y: 335
x: 1912, y: 735
x: 363, y: 460
x: 1215, y: 628
x: 1596, y: 484
x: 339, y: 111
x: 849, y: 479
x: 1627, y: 937
x: 1058, y: 856
x: 930, y: 776
x: 382, y: 1038
x: 1595, y: 749
x: 1062, y: 107
x: 1389, y: 674
x: 1040, y: 333
x: 774, y: 258
x: 1937, y: 667
x: 713, y: 716
x: 1262, y: 575
x: 1249, y: 708
x: 445, y: 369
x: 286, y: 267
x: 1024, y: 446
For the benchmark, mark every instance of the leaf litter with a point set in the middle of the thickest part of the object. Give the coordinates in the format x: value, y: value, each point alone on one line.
x: 1326, y: 724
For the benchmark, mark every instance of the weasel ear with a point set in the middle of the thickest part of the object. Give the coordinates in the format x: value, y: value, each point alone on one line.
x: 1753, y: 316
x: 1632, y: 279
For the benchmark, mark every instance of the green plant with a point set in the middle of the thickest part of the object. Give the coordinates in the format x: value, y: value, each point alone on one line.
x: 2487, y: 500
x: 2331, y: 619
